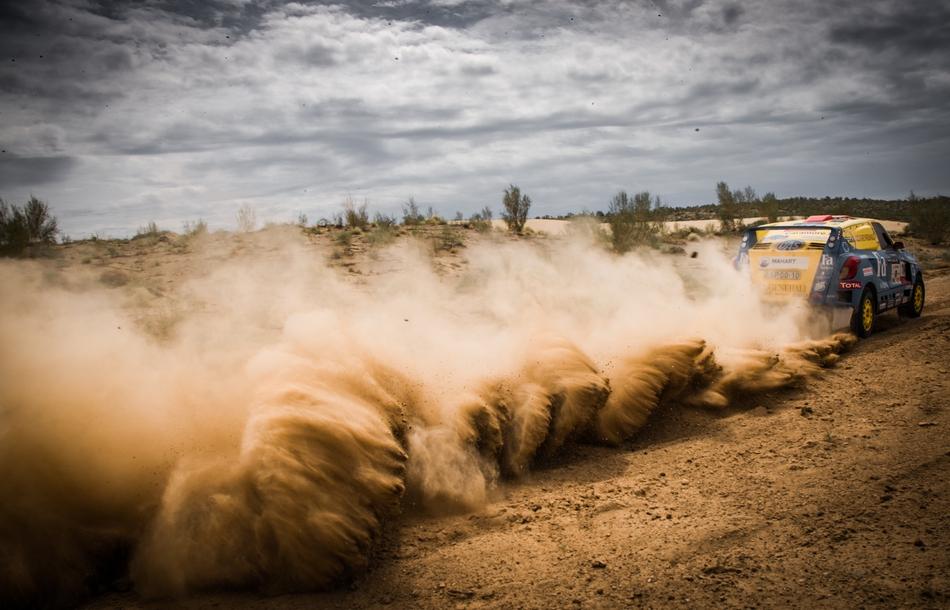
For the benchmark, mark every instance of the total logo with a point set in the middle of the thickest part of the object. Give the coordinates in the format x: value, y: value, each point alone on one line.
x: 849, y: 285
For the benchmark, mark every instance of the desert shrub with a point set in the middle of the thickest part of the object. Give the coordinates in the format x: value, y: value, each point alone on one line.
x: 195, y: 228
x: 930, y: 218
x: 481, y: 221
x: 149, y: 230
x: 728, y: 208
x: 516, y: 206
x: 411, y: 214
x: 769, y: 207
x: 384, y: 221
x: 381, y: 235
x: 633, y: 222
x: 302, y: 220
x: 24, y: 227
x: 355, y: 216
x: 246, y: 219
x: 448, y: 239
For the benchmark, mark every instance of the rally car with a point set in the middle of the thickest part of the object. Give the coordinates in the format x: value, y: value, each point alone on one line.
x: 835, y: 262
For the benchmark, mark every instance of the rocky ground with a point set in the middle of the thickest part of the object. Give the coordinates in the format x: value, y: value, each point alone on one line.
x: 836, y: 494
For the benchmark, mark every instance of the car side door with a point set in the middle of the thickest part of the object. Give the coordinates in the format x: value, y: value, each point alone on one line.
x: 894, y: 277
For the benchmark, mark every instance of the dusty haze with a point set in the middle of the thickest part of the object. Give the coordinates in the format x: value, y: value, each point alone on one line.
x: 262, y: 430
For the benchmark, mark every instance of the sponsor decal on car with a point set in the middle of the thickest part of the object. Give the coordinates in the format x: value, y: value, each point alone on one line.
x: 783, y: 274
x: 867, y: 271
x: 849, y: 285
x: 826, y: 260
x: 785, y: 262
x: 773, y: 289
x: 896, y: 269
x: 790, y: 244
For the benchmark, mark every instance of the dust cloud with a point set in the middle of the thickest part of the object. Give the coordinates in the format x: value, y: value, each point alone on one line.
x: 286, y: 413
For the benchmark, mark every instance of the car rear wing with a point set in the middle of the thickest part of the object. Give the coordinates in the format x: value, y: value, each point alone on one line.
x: 750, y: 237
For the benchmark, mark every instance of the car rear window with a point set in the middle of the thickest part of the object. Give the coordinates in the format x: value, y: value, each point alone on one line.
x: 805, y: 234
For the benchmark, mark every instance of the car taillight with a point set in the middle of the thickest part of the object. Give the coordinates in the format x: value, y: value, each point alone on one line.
x: 850, y: 268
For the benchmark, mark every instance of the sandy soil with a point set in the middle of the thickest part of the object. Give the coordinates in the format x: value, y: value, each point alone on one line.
x: 832, y: 495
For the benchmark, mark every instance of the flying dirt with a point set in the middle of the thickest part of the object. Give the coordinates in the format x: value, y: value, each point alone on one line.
x: 267, y: 436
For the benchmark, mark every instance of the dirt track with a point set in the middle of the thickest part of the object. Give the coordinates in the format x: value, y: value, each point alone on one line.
x: 833, y: 495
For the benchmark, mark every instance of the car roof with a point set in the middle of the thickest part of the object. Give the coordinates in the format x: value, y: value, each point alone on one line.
x: 821, y: 220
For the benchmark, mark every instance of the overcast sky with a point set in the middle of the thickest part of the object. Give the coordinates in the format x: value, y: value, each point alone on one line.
x: 118, y: 113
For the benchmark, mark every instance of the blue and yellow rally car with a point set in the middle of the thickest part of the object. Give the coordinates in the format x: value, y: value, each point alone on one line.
x: 835, y: 262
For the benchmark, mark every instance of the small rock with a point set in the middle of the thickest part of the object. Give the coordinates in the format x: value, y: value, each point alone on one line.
x: 926, y: 424
x: 919, y: 543
x: 598, y: 564
x: 806, y: 411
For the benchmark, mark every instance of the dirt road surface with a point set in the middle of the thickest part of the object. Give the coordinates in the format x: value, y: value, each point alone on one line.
x: 835, y: 495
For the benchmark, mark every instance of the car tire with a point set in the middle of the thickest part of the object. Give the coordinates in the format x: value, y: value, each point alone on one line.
x: 915, y: 306
x: 864, y: 316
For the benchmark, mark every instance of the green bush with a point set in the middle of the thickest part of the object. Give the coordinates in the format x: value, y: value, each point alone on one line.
x: 516, y: 206
x: 930, y: 218
x: 355, y: 216
x: 411, y: 214
x: 22, y: 228
x: 634, y: 222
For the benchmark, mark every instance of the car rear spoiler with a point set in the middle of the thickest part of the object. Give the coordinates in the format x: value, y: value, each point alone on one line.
x: 750, y: 238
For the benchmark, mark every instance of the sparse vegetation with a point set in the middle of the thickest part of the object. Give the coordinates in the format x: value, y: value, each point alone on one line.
x: 516, y: 206
x: 411, y: 214
x: 355, y: 216
x: 384, y: 230
x: 195, y: 228
x: 481, y: 221
x: 384, y: 220
x: 769, y: 207
x: 432, y: 218
x: 930, y: 218
x: 728, y: 208
x: 448, y: 239
x: 149, y: 230
x: 634, y: 222
x: 246, y: 219
x: 22, y: 228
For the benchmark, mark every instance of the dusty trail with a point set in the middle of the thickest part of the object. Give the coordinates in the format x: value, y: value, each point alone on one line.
x: 832, y: 495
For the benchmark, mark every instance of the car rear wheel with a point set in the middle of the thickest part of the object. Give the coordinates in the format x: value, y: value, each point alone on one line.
x: 915, y: 306
x: 865, y: 315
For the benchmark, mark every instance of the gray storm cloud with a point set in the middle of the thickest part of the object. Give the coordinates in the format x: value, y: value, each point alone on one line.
x: 449, y: 102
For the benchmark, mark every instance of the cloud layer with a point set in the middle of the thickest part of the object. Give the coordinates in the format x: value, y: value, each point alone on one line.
x: 119, y: 113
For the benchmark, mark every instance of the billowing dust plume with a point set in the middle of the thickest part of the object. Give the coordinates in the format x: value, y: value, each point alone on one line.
x: 286, y: 413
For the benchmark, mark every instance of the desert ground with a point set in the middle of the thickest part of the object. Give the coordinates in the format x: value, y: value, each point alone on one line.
x: 833, y: 493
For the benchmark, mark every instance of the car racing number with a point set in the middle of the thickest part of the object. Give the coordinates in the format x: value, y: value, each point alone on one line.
x: 783, y: 274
